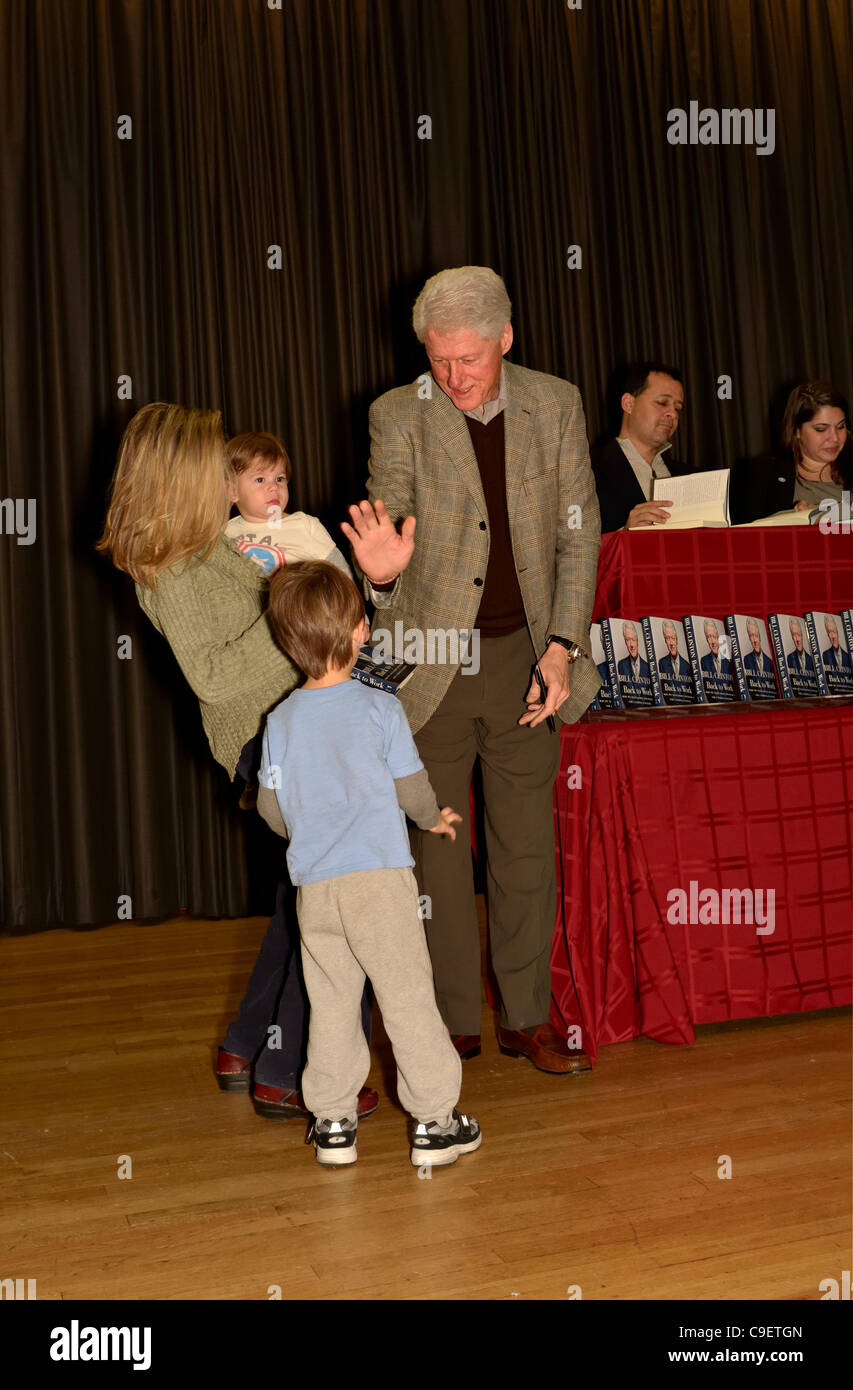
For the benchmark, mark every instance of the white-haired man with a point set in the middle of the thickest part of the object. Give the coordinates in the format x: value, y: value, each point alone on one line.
x: 491, y: 461
x: 835, y: 657
x: 714, y: 664
x: 673, y: 664
x: 633, y: 666
x: 799, y: 659
x: 756, y: 660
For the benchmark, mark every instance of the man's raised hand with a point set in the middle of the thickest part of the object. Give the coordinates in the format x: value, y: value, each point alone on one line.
x: 380, y: 550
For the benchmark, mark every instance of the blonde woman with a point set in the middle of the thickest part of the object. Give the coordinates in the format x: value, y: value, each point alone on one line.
x: 165, y: 527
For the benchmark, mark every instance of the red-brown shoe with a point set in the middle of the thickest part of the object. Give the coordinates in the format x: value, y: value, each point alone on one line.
x: 232, y: 1073
x: 546, y: 1048
x: 466, y: 1044
x: 368, y: 1101
x: 274, y: 1103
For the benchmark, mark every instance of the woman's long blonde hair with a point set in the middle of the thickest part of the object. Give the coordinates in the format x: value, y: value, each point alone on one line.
x: 168, y: 499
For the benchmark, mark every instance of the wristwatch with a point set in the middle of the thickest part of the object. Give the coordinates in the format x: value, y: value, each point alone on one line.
x: 572, y: 649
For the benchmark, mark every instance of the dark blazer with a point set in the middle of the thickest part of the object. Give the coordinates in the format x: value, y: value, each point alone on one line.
x: 616, y: 484
x: 750, y: 661
x: 833, y: 659
x: 707, y: 664
x: 761, y: 486
x: 666, y: 665
x: 624, y: 669
x: 794, y: 662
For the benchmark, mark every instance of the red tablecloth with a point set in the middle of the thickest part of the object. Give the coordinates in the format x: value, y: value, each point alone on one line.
x: 777, y: 569
x: 749, y: 798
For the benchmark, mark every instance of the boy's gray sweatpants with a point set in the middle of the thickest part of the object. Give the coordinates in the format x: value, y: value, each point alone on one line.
x: 367, y: 923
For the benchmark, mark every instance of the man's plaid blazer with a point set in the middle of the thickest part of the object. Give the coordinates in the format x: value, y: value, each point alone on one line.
x: 422, y: 464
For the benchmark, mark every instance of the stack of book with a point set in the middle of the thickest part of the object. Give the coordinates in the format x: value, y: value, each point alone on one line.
x: 698, y: 660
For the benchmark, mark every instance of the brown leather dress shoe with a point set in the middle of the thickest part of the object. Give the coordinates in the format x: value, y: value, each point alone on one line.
x: 546, y: 1048
x: 466, y: 1044
x: 232, y: 1073
x: 276, y: 1104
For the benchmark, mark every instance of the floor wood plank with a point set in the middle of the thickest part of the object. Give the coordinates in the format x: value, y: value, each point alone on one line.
x: 607, y: 1181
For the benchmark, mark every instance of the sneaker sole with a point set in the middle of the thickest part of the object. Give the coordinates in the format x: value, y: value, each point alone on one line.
x: 335, y: 1158
x: 440, y: 1158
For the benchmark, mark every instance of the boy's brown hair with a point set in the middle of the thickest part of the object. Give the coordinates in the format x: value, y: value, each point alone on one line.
x: 313, y: 611
x: 243, y: 449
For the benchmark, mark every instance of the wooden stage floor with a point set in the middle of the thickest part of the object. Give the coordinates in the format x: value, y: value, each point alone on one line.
x: 606, y: 1182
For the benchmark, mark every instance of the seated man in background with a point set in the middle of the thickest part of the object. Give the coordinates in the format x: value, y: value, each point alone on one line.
x: 624, y: 467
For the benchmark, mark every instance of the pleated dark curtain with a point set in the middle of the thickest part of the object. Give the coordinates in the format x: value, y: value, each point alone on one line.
x: 148, y: 258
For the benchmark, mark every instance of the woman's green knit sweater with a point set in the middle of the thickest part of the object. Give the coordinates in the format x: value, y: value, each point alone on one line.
x: 212, y: 614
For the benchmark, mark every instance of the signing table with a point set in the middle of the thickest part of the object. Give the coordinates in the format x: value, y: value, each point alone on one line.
x: 756, y: 799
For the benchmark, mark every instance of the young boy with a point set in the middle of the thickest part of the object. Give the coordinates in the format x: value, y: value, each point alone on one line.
x: 264, y: 529
x: 339, y: 762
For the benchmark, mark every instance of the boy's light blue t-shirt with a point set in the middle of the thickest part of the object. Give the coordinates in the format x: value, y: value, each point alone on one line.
x: 331, y: 756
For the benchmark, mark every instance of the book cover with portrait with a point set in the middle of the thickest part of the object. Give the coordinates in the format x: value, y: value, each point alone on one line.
x: 710, y: 659
x: 755, y: 676
x: 833, y: 663
x: 666, y: 648
x: 795, y: 662
x: 371, y: 669
x: 608, y: 696
x: 626, y: 654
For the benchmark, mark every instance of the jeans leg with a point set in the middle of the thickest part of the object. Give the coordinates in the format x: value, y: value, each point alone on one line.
x: 269, y: 1000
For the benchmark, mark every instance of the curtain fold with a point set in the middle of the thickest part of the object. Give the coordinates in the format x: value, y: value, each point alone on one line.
x: 147, y: 258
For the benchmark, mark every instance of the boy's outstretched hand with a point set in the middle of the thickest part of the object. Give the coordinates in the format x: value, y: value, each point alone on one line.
x: 446, y: 821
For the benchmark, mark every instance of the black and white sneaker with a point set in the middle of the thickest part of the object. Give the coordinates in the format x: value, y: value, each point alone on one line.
x: 334, y: 1141
x: 435, y: 1144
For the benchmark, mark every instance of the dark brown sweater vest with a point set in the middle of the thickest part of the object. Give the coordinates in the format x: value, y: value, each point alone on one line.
x: 501, y: 607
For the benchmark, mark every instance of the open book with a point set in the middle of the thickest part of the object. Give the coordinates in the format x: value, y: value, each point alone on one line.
x: 700, y: 499
x: 792, y: 517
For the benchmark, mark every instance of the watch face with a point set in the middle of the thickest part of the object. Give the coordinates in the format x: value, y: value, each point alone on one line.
x: 571, y: 648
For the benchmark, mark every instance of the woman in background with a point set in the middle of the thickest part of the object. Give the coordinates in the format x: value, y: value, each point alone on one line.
x: 817, y: 462
x: 165, y: 527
